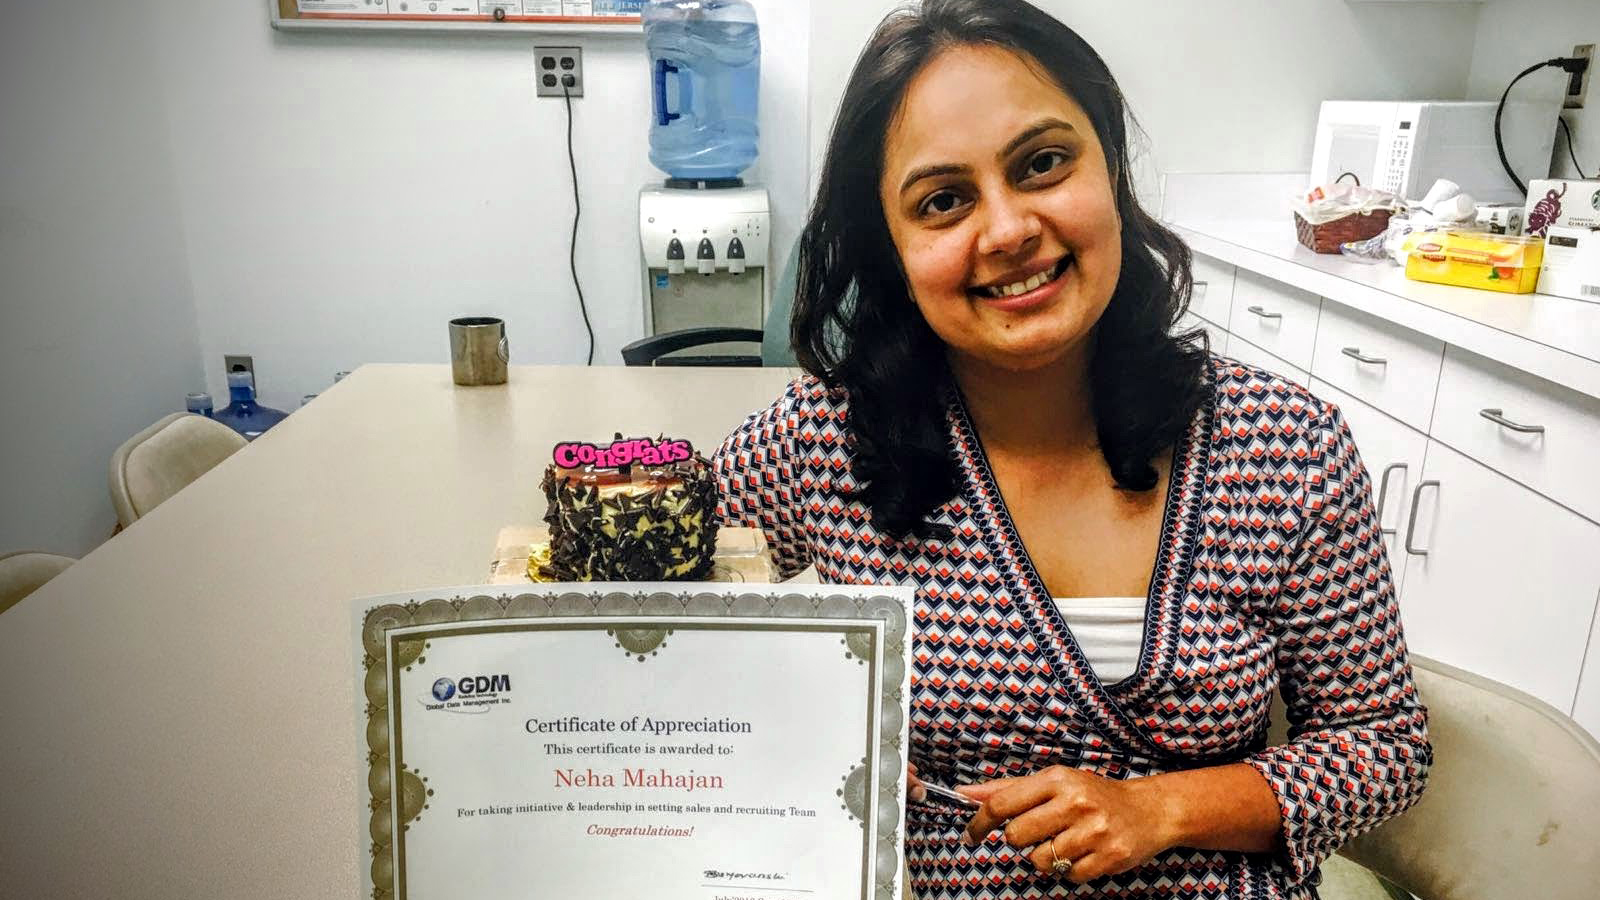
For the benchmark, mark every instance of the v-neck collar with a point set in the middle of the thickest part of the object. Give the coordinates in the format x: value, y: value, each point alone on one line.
x: 1105, y: 704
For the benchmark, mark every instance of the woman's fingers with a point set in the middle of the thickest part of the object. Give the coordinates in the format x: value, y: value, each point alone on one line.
x: 1036, y: 825
x: 1010, y: 798
x: 914, y: 788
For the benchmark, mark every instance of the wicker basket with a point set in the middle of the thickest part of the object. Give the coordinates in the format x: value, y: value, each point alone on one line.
x: 1327, y: 237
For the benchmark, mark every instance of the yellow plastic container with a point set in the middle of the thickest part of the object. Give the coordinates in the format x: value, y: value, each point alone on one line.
x: 1490, y: 262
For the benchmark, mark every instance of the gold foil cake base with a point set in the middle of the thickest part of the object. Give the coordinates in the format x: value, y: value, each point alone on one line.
x: 741, y: 556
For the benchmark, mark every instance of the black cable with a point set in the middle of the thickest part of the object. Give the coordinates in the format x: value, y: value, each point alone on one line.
x: 1499, y: 110
x: 1572, y: 154
x: 577, y: 213
x: 1572, y: 65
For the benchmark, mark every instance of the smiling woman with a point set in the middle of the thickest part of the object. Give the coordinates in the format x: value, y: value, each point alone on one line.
x: 1121, y: 546
x: 976, y: 151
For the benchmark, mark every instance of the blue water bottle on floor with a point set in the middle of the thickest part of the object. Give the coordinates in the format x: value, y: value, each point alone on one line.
x: 705, y: 64
x: 244, y: 414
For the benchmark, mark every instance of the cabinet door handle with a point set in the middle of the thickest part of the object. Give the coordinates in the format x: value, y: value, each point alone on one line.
x: 1355, y: 354
x: 1411, y: 528
x: 1383, y: 492
x: 1263, y: 313
x: 1497, y: 416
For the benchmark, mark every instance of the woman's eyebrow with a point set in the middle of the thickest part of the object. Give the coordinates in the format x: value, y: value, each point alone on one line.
x: 932, y: 172
x: 1031, y: 132
x: 1026, y: 135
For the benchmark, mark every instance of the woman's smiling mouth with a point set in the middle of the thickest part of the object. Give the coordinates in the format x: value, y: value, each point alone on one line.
x: 1020, y: 290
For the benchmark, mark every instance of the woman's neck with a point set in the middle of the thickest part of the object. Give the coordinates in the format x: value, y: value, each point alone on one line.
x: 1037, y: 411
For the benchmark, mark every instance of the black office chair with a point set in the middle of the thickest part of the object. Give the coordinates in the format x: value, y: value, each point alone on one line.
x: 653, y: 350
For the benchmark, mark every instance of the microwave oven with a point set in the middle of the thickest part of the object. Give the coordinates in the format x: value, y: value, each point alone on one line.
x: 1404, y: 146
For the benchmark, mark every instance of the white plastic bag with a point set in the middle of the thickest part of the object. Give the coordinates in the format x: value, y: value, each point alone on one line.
x: 1335, y: 201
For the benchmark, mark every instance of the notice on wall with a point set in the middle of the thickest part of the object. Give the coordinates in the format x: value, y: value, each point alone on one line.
x: 619, y: 11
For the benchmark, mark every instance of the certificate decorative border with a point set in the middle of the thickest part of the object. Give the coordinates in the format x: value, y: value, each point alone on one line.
x: 562, y: 602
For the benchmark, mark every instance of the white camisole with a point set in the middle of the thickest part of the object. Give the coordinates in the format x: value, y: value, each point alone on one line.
x: 1110, y: 630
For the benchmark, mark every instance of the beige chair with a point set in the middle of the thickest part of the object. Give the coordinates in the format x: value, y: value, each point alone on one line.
x: 1512, y: 808
x: 23, y: 572
x: 161, y: 460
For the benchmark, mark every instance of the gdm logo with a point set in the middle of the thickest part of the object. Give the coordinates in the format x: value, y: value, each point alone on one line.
x: 444, y: 689
x: 481, y: 684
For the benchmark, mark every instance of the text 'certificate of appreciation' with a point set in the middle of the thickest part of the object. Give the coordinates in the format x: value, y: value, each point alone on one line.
x: 630, y: 740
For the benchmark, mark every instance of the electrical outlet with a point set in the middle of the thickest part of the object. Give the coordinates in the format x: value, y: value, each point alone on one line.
x: 555, y: 68
x: 1578, y: 85
x: 235, y: 362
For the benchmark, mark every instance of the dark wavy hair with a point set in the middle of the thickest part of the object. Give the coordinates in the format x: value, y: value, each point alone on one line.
x: 855, y: 326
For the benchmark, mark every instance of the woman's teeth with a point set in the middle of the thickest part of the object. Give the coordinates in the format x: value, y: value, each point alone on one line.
x: 1022, y: 287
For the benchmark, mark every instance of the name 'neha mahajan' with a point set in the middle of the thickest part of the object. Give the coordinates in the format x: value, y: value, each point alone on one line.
x: 687, y: 782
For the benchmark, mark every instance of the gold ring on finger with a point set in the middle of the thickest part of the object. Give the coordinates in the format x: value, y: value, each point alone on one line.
x: 1061, y: 867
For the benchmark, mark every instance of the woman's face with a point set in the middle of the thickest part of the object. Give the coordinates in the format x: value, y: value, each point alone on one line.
x: 999, y: 200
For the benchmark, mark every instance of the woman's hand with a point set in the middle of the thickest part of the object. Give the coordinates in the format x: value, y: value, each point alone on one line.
x: 914, y: 789
x: 1100, y: 825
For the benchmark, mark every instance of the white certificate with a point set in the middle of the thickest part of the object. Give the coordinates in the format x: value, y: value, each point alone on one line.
x: 635, y: 740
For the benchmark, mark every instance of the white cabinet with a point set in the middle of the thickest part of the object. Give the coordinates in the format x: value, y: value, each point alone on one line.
x: 1587, y: 709
x: 1246, y: 352
x: 1499, y: 580
x: 1216, y: 333
x: 1279, y: 319
x: 1541, y: 434
x: 1393, y: 454
x: 1485, y: 471
x: 1213, y: 290
x: 1395, y: 369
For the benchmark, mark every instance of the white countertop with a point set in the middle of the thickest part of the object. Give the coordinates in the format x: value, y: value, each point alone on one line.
x: 178, y: 717
x: 1554, y: 338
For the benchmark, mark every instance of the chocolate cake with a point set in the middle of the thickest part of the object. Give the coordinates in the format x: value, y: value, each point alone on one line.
x: 633, y: 523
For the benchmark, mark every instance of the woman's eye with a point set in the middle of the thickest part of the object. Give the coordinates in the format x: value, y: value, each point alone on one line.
x: 1044, y: 162
x: 941, y: 203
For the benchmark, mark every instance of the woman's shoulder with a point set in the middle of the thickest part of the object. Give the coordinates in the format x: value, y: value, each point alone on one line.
x: 1252, y: 405
x: 809, y: 398
x: 808, y: 408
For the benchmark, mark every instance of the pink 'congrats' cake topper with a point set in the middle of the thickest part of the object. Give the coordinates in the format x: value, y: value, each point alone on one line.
x: 622, y: 453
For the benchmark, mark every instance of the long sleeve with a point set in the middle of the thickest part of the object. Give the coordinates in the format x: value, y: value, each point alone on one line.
x: 755, y: 470
x: 1358, y: 751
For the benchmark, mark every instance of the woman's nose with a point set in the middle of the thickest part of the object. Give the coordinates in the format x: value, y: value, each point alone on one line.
x: 1009, y: 227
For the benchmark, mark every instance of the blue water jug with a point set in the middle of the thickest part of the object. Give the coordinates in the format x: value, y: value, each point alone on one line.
x: 705, y: 60
x: 244, y: 414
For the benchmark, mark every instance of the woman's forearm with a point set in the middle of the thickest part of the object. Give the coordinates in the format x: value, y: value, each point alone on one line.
x: 1219, y: 808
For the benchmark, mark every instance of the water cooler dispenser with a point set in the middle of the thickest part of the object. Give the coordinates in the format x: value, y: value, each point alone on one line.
x: 705, y: 258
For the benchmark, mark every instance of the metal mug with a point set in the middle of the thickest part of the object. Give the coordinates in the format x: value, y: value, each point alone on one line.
x: 478, y: 350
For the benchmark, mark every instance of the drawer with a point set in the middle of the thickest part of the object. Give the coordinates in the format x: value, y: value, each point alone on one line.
x: 1393, y: 453
x: 1558, y: 462
x: 1393, y: 368
x: 1246, y: 352
x: 1279, y: 319
x: 1213, y: 290
x: 1219, y: 338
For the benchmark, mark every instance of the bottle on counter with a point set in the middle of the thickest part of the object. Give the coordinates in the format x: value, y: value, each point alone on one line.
x: 244, y: 414
x: 199, y: 403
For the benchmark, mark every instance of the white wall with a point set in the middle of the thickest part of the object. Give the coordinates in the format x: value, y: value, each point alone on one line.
x: 1219, y: 87
x: 97, y: 325
x: 345, y: 195
x: 1515, y: 35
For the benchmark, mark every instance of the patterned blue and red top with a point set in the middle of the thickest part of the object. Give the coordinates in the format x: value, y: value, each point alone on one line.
x: 1271, y: 574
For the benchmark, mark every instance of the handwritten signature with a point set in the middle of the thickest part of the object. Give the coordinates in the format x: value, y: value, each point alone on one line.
x: 718, y: 875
